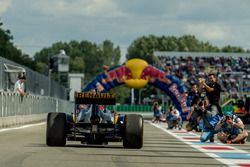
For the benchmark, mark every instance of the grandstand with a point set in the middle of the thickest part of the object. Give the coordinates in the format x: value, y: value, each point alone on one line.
x: 232, y: 69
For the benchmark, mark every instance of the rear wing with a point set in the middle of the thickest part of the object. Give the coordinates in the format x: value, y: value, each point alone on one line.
x: 94, y: 98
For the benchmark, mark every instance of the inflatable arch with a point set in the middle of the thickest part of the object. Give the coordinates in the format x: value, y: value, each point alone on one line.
x: 136, y: 73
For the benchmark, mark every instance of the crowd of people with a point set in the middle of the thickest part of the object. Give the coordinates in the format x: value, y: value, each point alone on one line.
x: 205, y: 114
x: 172, y: 116
x: 233, y: 72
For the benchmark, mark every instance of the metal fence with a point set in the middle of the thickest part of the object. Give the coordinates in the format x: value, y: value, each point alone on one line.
x: 36, y: 83
x: 16, y: 110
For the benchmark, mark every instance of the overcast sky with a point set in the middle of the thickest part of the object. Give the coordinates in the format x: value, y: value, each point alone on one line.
x: 39, y: 23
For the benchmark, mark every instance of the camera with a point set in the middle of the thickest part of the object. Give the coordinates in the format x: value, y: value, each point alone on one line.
x: 201, y: 103
x: 227, y: 118
x: 201, y: 80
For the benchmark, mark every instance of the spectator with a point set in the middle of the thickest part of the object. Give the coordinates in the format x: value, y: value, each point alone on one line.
x: 193, y: 66
x: 19, y: 86
x: 247, y: 105
x: 193, y: 95
x: 231, y: 129
x: 192, y: 101
x: 157, y: 112
x: 174, y: 118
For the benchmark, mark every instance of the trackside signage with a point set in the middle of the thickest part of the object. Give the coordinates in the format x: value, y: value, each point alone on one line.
x: 93, y: 95
x: 94, y: 98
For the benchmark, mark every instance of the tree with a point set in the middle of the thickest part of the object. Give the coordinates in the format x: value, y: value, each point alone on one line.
x: 85, y: 57
x: 9, y: 51
x: 77, y: 65
x: 232, y: 49
x: 143, y: 47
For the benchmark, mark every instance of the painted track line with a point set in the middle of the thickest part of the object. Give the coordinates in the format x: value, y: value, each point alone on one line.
x: 226, y: 154
x: 21, y: 127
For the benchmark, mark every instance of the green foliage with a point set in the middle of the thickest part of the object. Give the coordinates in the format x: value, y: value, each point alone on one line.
x: 9, y: 51
x: 144, y: 47
x: 77, y: 65
x: 122, y: 94
x: 41, y: 67
x: 232, y: 49
x: 85, y: 57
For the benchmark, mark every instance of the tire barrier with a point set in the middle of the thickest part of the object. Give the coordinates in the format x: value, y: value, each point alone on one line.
x: 16, y: 110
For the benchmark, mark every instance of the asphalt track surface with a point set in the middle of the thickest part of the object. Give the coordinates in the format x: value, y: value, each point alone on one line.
x: 25, y: 147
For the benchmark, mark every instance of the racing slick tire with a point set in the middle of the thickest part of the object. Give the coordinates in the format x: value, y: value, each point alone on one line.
x: 133, y: 131
x: 56, y: 129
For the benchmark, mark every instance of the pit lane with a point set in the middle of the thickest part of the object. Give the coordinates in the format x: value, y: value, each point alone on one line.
x: 26, y: 147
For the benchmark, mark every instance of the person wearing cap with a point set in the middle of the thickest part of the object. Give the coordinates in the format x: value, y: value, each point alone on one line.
x: 19, y: 86
x: 231, y: 129
x: 209, y: 117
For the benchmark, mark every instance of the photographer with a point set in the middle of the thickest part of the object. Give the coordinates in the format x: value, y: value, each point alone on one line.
x: 174, y: 119
x: 213, y: 90
x: 231, y: 129
x: 209, y: 119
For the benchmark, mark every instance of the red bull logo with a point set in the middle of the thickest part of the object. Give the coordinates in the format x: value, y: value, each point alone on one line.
x: 137, y: 73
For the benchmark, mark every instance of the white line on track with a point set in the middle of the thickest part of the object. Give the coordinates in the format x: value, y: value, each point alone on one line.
x: 213, y: 155
x: 21, y: 127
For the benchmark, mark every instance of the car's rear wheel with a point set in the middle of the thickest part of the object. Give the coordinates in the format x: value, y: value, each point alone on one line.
x: 56, y: 129
x: 133, y: 131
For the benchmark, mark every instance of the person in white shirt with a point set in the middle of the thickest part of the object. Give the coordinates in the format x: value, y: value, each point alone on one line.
x: 174, y: 118
x: 19, y: 86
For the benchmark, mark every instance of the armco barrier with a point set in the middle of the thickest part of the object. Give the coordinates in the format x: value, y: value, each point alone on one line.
x: 16, y: 110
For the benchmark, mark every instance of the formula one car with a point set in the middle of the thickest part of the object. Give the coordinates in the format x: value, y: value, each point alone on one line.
x: 124, y: 128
